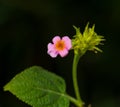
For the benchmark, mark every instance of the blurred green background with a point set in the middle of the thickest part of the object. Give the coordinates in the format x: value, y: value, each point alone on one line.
x: 26, y: 27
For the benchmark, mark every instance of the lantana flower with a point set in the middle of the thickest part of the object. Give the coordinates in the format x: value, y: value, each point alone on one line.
x: 60, y: 46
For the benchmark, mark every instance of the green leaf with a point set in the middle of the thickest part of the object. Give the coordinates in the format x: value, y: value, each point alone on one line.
x: 39, y: 88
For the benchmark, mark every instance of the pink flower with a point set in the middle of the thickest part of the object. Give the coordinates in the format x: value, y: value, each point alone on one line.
x: 59, y: 46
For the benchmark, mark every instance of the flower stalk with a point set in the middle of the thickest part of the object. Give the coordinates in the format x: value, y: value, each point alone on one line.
x: 75, y: 80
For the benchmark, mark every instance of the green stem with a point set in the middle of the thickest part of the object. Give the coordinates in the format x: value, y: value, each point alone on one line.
x: 74, y: 74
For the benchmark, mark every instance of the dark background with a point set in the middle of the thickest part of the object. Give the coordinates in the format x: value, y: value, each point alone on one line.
x: 27, y: 26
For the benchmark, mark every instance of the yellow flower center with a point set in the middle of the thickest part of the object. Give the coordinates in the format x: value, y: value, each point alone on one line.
x: 60, y: 45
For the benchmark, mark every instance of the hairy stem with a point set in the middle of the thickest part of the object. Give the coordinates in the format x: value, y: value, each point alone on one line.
x: 74, y: 76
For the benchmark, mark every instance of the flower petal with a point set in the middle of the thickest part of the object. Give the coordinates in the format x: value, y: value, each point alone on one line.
x: 68, y: 42
x: 51, y: 50
x: 63, y: 53
x: 56, y: 39
x: 50, y: 47
x: 53, y: 54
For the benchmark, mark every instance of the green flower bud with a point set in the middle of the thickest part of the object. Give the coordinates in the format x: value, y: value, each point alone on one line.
x: 89, y: 40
